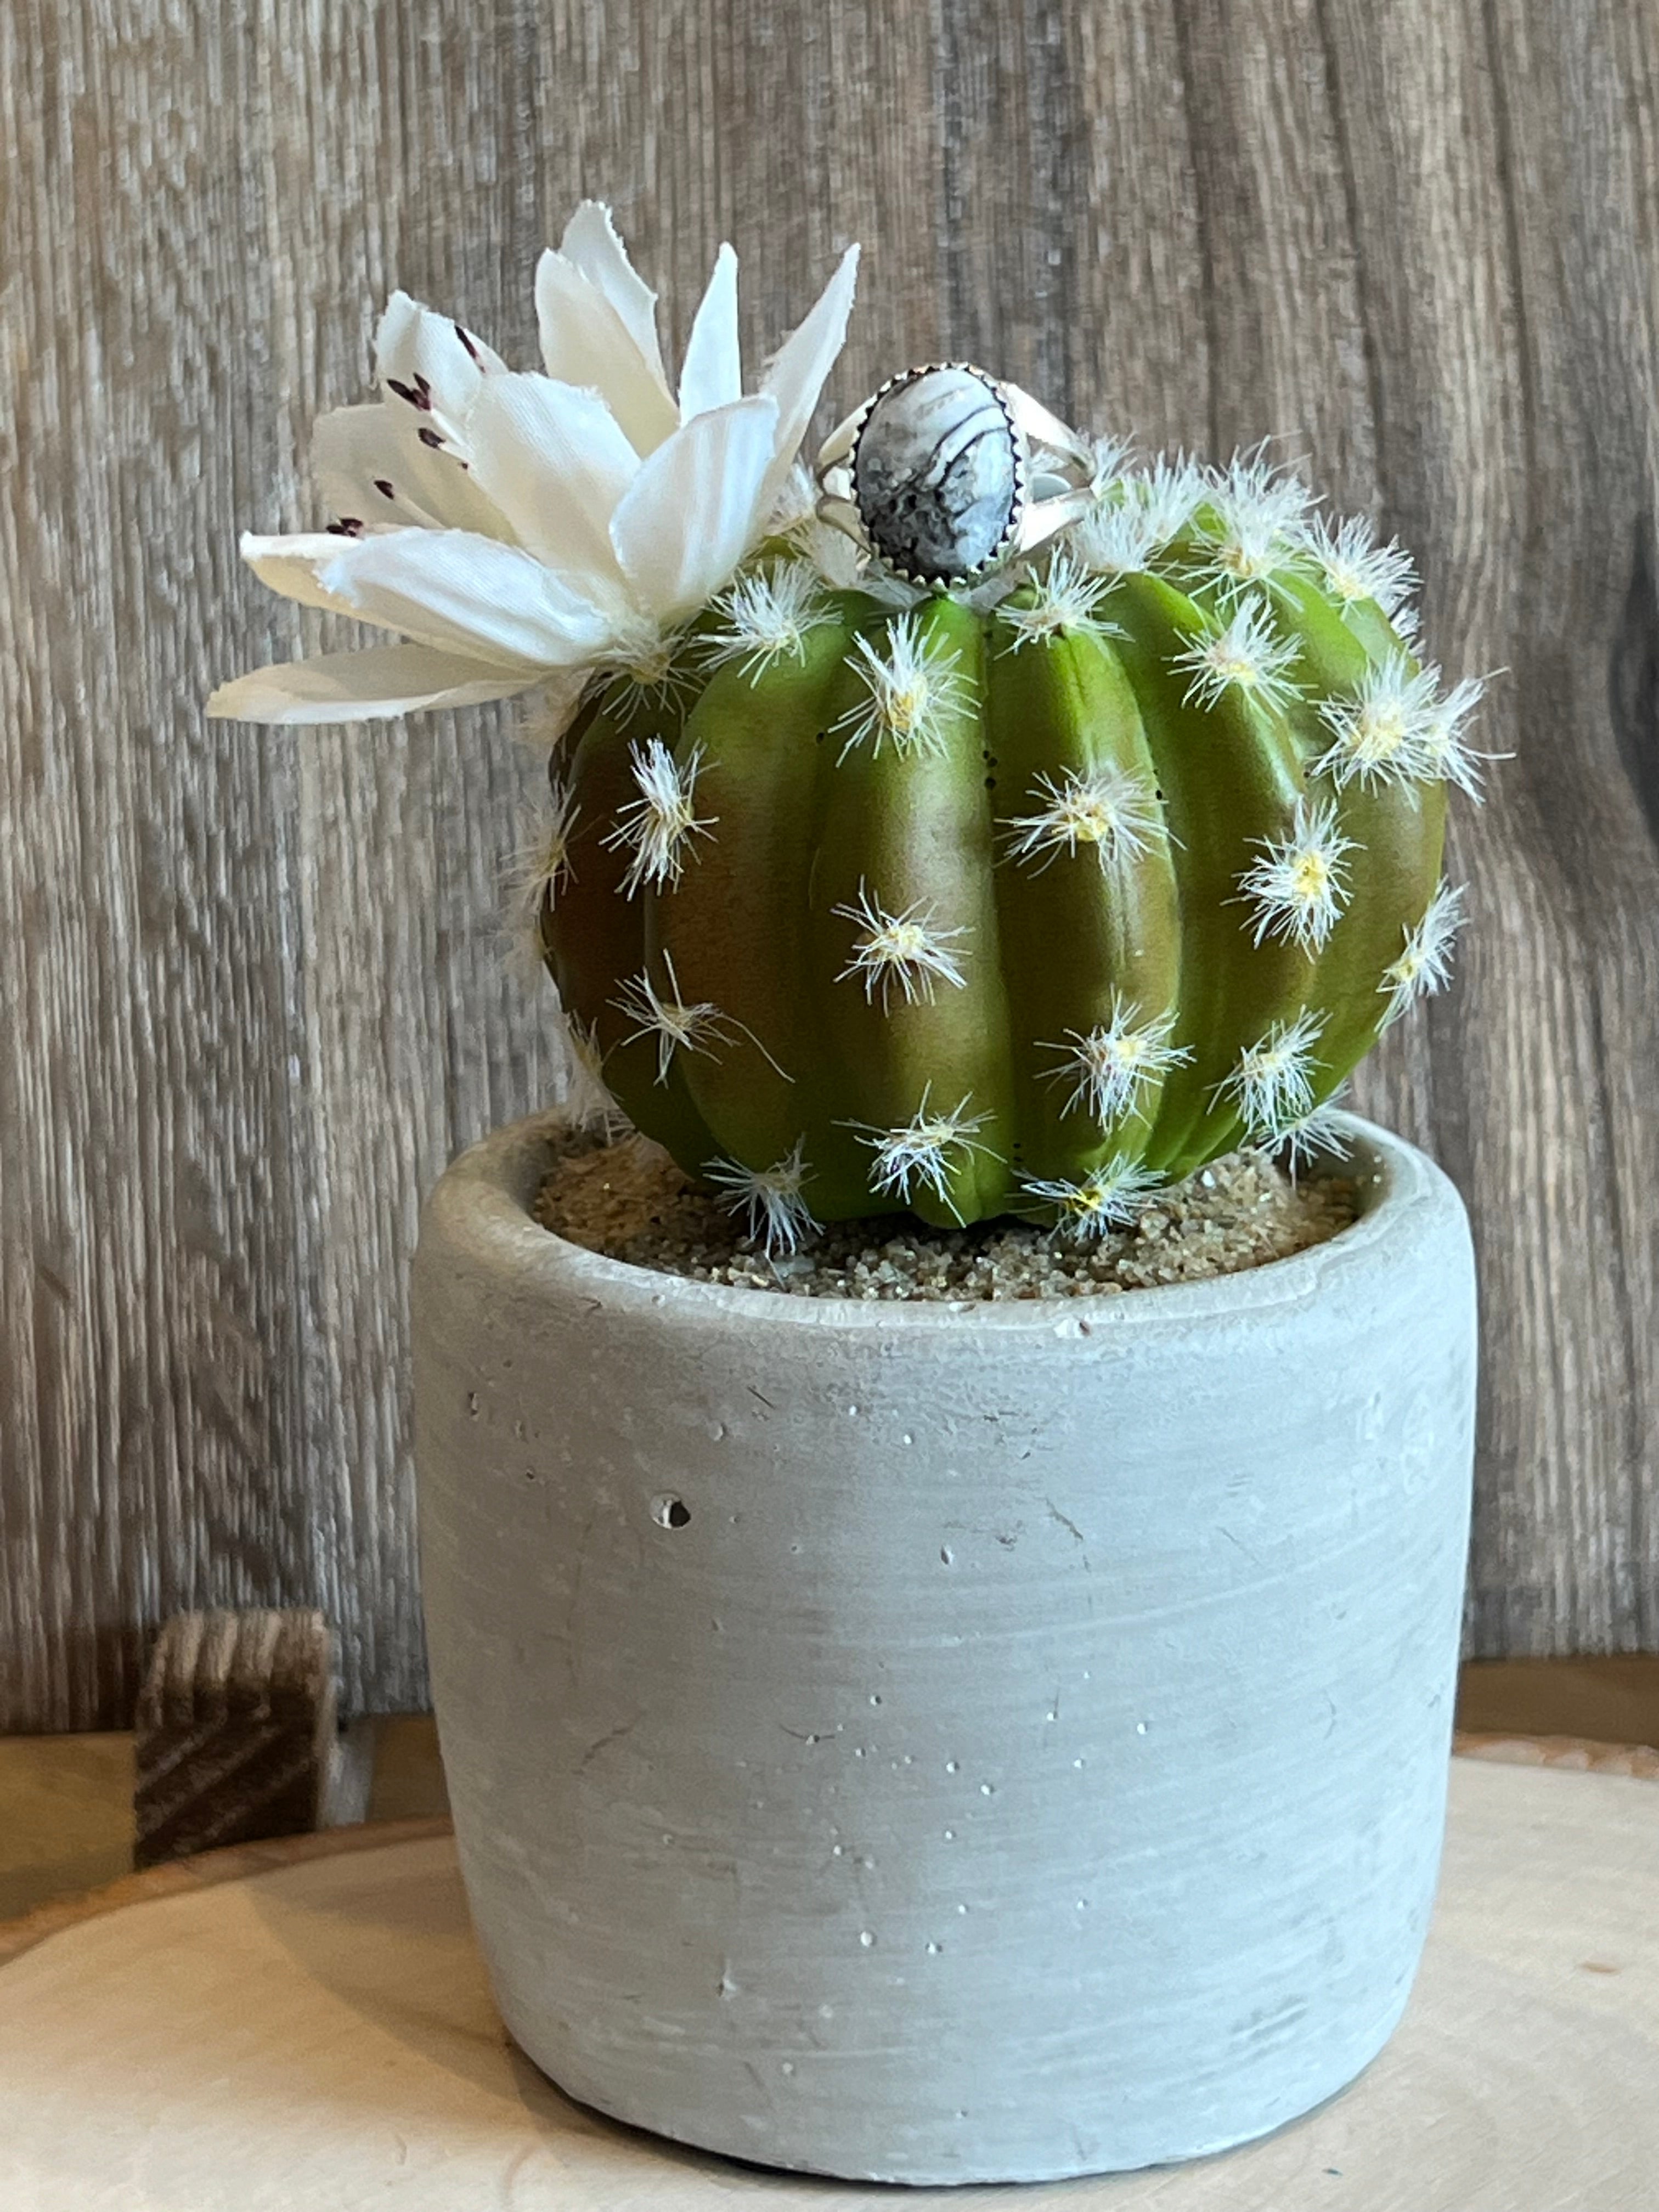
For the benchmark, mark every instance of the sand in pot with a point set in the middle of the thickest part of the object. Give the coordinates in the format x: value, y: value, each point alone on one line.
x: 630, y: 1200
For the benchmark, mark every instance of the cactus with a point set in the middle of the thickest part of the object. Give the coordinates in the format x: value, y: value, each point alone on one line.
x: 1023, y: 900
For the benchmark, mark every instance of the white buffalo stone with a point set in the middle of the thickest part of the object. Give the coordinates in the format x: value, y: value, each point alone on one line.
x: 934, y: 474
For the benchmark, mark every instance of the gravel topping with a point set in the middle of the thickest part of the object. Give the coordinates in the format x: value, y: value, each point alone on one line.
x: 628, y: 1199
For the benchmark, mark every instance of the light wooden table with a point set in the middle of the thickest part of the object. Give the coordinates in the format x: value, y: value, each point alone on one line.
x: 306, y: 2024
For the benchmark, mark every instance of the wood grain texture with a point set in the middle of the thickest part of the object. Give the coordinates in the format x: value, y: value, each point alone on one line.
x: 236, y: 1732
x: 313, y: 2023
x: 252, y: 989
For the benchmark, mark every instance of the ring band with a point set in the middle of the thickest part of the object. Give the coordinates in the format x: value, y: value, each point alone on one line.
x: 946, y: 473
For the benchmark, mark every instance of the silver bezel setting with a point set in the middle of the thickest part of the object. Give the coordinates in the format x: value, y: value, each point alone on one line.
x: 999, y: 551
x: 1028, y: 424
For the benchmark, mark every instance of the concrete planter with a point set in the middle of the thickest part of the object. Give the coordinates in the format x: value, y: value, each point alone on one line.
x: 939, y: 1745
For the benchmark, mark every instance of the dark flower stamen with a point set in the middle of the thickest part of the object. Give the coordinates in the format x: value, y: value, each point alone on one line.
x: 418, y: 394
x: 428, y: 436
x: 383, y: 485
x: 348, y: 526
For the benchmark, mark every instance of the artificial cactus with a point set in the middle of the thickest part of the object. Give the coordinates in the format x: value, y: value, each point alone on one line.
x: 1020, y: 899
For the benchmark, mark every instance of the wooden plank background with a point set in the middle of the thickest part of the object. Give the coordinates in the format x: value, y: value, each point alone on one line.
x: 253, y: 993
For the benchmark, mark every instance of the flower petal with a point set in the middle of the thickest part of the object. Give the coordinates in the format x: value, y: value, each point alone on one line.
x: 591, y: 243
x: 360, y: 687
x: 695, y: 507
x: 373, y: 467
x: 556, y: 463
x: 292, y: 565
x: 796, y: 375
x: 431, y: 370
x: 712, y: 376
x: 585, y: 341
x: 451, y: 589
x: 429, y: 365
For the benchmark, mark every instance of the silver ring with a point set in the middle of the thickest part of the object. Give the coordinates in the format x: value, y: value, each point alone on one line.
x: 947, y: 473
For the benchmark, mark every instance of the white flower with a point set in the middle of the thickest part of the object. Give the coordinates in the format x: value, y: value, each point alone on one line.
x: 518, y: 529
x: 1299, y: 886
x: 646, y: 667
x: 1242, y: 655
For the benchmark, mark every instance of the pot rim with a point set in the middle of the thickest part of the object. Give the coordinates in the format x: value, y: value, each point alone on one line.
x: 482, y: 1205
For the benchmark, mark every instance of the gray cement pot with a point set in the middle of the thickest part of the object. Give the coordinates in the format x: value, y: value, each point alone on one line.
x: 944, y: 1746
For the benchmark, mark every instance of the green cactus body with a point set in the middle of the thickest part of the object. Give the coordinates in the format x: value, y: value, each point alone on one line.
x: 890, y: 953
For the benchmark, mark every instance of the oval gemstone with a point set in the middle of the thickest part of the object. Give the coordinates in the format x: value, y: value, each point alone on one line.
x: 934, y: 474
